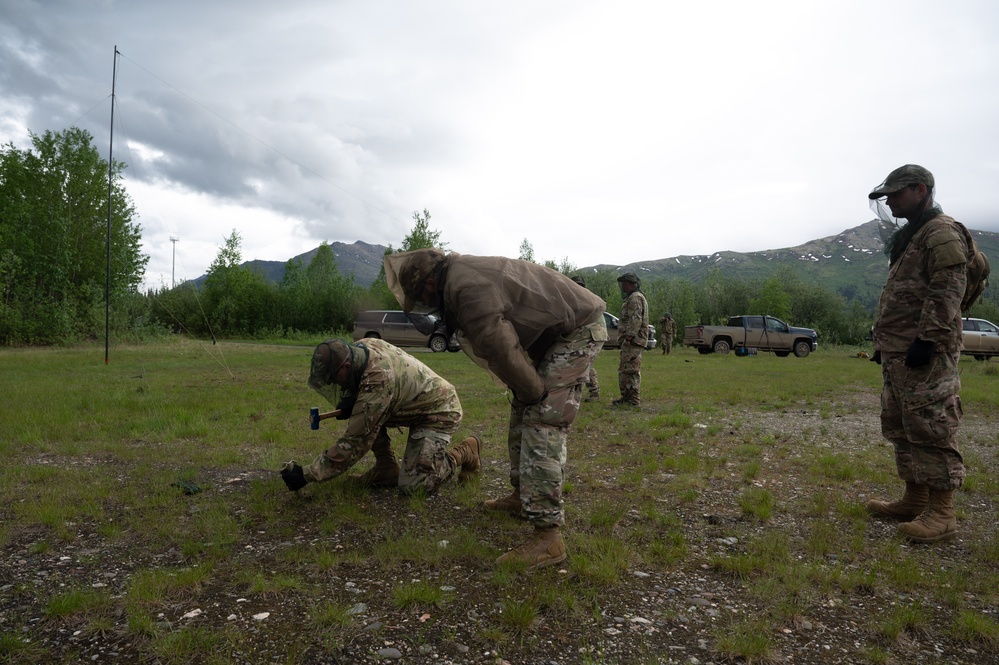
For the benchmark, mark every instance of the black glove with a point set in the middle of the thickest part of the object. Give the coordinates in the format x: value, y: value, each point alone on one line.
x: 919, y: 354
x: 346, y: 407
x: 876, y: 358
x: 293, y: 477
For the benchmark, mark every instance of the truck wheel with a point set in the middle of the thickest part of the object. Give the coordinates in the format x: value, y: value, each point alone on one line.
x: 438, y: 343
x: 722, y: 346
x: 372, y: 335
x: 802, y: 348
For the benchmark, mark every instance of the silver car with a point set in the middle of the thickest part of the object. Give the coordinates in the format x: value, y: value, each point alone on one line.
x: 981, y: 338
x: 397, y: 327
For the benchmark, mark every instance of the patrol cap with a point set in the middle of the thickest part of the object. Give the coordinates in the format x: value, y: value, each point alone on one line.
x: 629, y: 277
x: 326, y: 360
x: 903, y: 176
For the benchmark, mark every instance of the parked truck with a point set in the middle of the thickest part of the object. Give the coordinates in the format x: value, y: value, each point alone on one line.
x: 744, y: 333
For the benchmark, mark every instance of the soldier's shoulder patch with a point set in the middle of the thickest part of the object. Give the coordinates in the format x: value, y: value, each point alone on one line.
x: 947, y: 244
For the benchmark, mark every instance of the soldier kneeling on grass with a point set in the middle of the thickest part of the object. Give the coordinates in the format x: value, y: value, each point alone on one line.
x: 376, y: 386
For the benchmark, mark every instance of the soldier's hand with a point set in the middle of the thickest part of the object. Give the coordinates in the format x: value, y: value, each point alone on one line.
x: 876, y: 357
x: 919, y: 354
x: 293, y: 476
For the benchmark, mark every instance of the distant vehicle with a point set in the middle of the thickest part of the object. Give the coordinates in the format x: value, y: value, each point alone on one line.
x: 613, y: 341
x: 981, y: 338
x: 743, y: 333
x: 397, y: 327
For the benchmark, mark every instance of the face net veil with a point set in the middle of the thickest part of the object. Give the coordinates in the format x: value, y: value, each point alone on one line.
x: 327, y: 360
x: 889, y: 226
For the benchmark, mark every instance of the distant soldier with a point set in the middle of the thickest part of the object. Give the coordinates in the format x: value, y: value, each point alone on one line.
x: 633, y: 334
x: 376, y: 386
x: 592, y: 382
x: 667, y: 330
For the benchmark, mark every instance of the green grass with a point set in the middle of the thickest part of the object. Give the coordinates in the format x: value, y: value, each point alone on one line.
x: 654, y: 491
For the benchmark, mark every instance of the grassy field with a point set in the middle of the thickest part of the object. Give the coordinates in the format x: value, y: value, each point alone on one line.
x: 142, y: 519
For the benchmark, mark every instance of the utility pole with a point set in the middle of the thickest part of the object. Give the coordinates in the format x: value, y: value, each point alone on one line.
x: 173, y: 268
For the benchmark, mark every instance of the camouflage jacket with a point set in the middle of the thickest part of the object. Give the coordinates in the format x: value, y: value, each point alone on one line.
x: 634, y: 319
x: 396, y: 390
x: 922, y: 297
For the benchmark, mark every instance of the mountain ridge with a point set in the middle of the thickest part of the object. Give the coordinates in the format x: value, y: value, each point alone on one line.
x: 851, y: 262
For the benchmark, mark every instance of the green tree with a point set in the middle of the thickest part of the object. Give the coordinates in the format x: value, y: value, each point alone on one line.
x: 237, y: 299
x: 526, y: 251
x: 422, y: 236
x: 332, y: 295
x: 53, y: 240
x: 773, y: 299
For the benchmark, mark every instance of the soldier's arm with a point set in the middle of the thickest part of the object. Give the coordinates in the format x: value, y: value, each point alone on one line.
x: 372, y: 409
x: 946, y: 263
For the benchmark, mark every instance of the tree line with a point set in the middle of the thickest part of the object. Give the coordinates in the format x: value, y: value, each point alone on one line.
x: 54, y: 202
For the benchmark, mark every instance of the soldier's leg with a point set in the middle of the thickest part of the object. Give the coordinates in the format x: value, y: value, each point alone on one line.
x: 545, y: 426
x: 425, y: 464
x: 916, y: 495
x: 931, y: 416
x: 630, y: 375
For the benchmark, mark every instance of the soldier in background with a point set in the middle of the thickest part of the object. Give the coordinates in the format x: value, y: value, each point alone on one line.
x: 633, y: 334
x: 667, y: 330
x: 376, y: 386
x: 592, y: 381
x: 917, y: 341
x: 537, y: 332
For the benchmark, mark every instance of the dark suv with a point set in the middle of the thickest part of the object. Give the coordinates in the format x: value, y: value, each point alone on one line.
x: 397, y: 327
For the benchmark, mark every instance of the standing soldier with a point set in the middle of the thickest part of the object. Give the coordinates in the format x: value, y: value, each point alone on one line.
x: 592, y: 381
x: 538, y: 333
x: 667, y: 330
x: 917, y: 341
x: 633, y: 333
x: 376, y: 386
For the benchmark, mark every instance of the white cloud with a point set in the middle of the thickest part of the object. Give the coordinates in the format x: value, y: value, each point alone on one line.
x: 604, y: 133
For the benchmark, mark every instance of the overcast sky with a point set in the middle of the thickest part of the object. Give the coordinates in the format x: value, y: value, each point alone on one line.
x: 601, y: 132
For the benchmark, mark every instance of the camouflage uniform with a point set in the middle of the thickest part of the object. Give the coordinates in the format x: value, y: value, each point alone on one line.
x: 921, y: 406
x: 667, y: 330
x: 536, y: 441
x: 397, y: 390
x: 633, y: 331
x: 537, y: 332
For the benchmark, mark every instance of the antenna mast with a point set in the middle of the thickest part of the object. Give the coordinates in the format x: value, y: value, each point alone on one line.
x: 107, y: 280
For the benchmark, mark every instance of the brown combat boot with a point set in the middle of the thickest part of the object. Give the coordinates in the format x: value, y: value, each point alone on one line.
x: 385, y: 472
x: 911, y: 505
x: 466, y: 457
x: 510, y: 503
x: 545, y: 547
x: 935, y: 523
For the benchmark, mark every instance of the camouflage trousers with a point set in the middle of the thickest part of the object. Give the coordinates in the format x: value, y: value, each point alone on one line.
x: 536, y: 441
x: 920, y: 415
x: 425, y: 464
x: 629, y: 373
x: 592, y: 382
x: 667, y: 342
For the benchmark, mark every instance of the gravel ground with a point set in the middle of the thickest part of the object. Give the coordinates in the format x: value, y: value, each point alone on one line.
x: 652, y: 614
